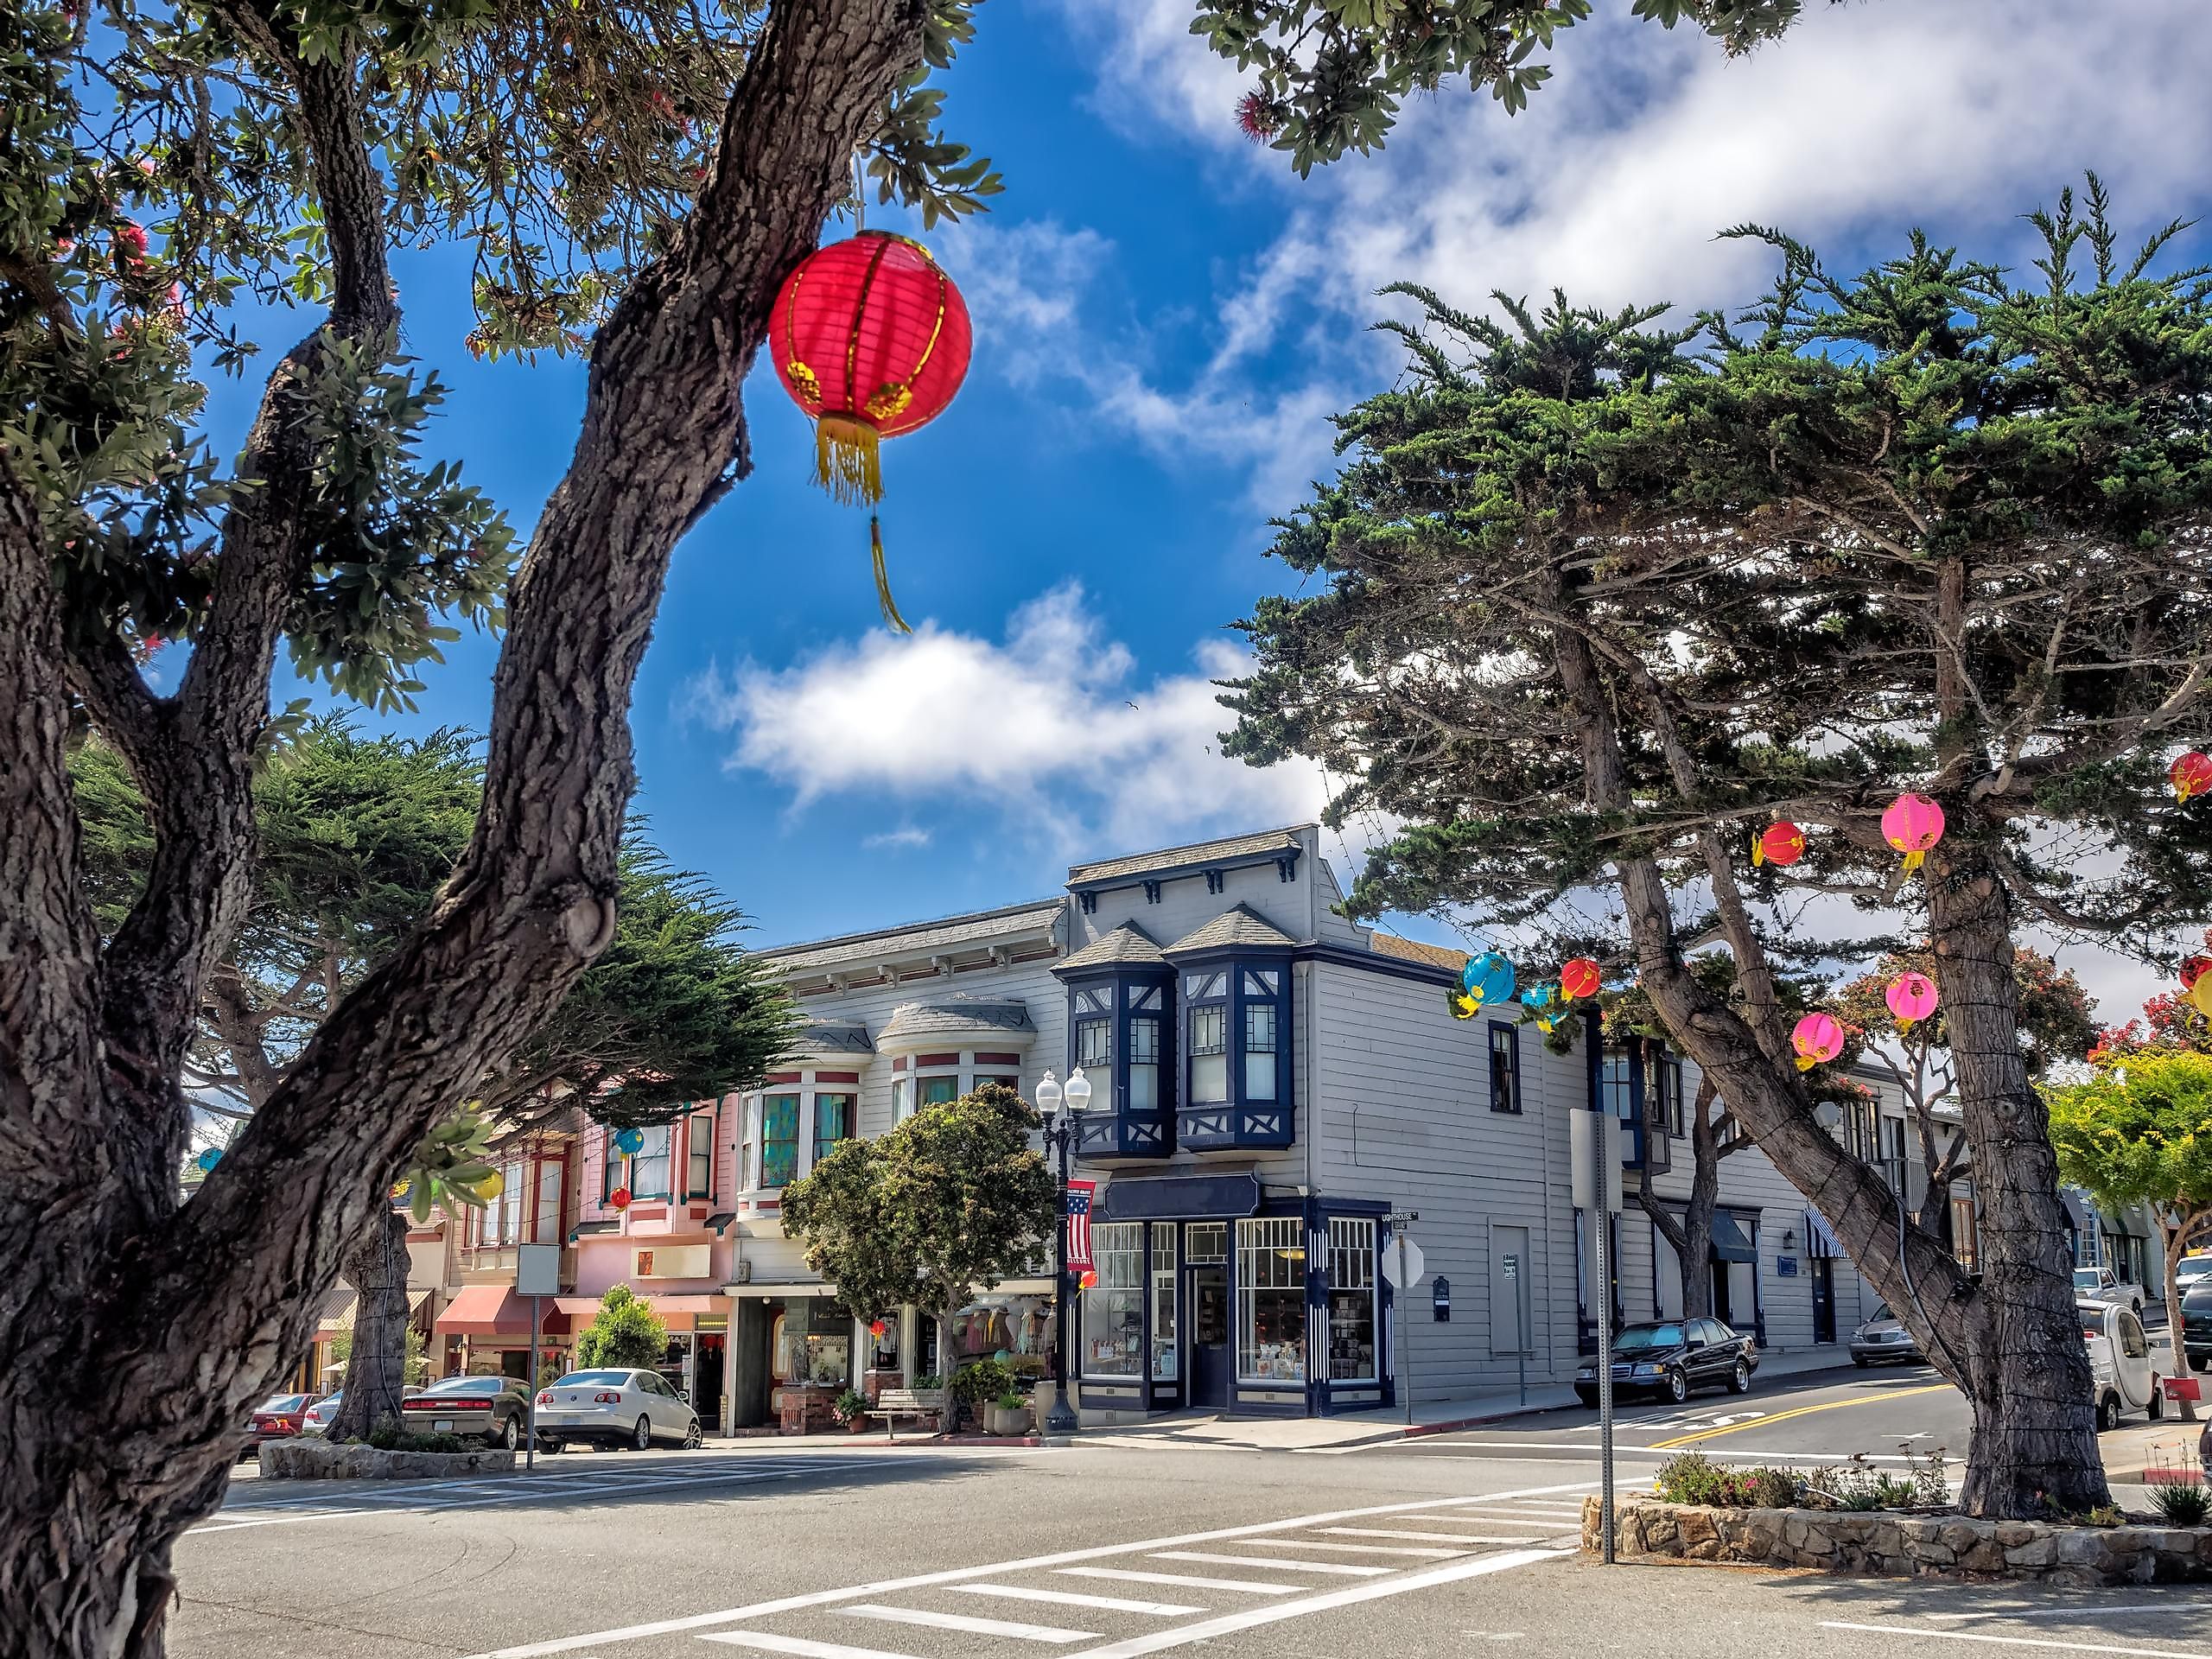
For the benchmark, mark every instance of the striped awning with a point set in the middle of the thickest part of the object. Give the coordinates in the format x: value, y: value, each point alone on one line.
x: 1819, y: 1242
x: 339, y: 1307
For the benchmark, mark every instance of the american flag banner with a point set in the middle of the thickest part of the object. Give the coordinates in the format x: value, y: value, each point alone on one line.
x: 1080, y: 1194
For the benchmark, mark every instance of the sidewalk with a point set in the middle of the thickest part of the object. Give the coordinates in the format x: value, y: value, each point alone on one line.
x: 1372, y: 1427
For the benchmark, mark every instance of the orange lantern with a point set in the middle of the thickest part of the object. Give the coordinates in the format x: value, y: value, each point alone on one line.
x: 2192, y: 970
x: 1817, y: 1037
x: 1912, y: 823
x: 2189, y: 775
x: 620, y: 1198
x: 1580, y: 977
x: 1782, y: 842
x: 871, y: 339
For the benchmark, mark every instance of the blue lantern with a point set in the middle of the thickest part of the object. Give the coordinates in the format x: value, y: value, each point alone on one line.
x: 1488, y: 980
x: 630, y: 1142
x: 208, y: 1160
x: 1542, y: 1002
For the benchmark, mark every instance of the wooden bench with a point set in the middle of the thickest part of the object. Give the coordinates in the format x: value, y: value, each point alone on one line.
x: 895, y: 1403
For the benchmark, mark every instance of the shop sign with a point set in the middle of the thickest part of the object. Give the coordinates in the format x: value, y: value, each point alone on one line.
x: 1786, y: 1265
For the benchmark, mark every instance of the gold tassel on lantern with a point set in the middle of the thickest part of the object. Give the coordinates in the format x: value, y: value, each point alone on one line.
x: 845, y: 462
x: 883, y: 579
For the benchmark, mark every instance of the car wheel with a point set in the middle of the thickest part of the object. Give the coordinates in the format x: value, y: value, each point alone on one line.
x: 2108, y: 1415
x: 1739, y: 1379
x: 1678, y: 1387
x: 691, y: 1436
x: 1588, y: 1397
x: 1862, y: 1361
x: 2156, y: 1410
x: 553, y: 1448
x: 509, y: 1437
x: 641, y: 1437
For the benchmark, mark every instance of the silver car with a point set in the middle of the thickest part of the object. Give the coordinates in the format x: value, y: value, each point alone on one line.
x: 630, y: 1409
x: 1883, y: 1340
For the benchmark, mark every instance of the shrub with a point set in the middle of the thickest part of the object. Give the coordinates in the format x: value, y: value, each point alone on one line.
x: 625, y: 1333
x: 1692, y: 1477
x: 389, y: 1436
x: 985, y: 1379
x: 2183, y: 1504
x: 1012, y: 1400
x: 848, y: 1404
x: 929, y: 1380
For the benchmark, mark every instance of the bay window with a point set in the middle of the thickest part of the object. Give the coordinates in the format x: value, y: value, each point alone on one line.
x: 1259, y: 1037
x: 833, y: 1121
x: 940, y: 1091
x: 1209, y: 1036
x: 1144, y: 1057
x: 699, y: 1156
x: 1271, y: 1299
x: 779, y: 1139
x: 552, y: 1188
x: 1113, y: 1307
x: 1094, y: 1033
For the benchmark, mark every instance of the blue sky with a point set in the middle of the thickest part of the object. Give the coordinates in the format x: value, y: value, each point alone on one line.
x: 1165, y: 316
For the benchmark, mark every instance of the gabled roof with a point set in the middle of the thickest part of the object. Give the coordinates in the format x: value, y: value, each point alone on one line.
x: 1269, y: 843
x: 1127, y: 945
x: 1240, y: 927
x: 921, y: 938
x: 833, y: 1037
x: 1433, y: 956
x: 956, y: 1016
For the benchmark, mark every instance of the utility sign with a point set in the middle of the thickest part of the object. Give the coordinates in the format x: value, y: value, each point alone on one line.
x: 1404, y: 1264
x: 1439, y: 1301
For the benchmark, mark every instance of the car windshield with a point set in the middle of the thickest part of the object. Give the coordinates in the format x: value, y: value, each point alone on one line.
x: 580, y: 1379
x: 2085, y: 1279
x: 1639, y: 1338
x: 280, y: 1402
x: 1881, y: 1312
x: 469, y: 1385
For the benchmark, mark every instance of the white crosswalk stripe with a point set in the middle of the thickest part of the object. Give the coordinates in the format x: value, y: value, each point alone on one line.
x: 1427, y: 1551
x: 798, y: 1647
x: 1076, y: 1599
x: 1133, y: 1576
x: 1437, y: 1537
x: 967, y: 1624
x: 1339, y: 1568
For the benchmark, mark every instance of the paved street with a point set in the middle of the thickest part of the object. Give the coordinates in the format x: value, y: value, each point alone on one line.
x: 1116, y: 1547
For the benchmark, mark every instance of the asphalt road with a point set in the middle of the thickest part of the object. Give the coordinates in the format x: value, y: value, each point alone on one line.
x: 1102, y: 1550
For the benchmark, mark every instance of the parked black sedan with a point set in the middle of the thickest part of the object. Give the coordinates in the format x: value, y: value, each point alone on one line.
x: 2197, y: 1324
x: 1669, y: 1357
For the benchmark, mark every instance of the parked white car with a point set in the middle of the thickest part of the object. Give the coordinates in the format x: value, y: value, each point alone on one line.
x: 2101, y: 1285
x: 630, y: 1409
x: 2130, y: 1365
x: 2194, y: 1266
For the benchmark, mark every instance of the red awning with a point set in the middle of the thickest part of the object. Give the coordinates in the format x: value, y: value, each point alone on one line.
x: 677, y: 1313
x: 496, y: 1311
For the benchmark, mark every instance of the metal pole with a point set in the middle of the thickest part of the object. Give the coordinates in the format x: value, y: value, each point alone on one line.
x: 1520, y: 1331
x: 530, y: 1456
x: 1601, y: 1231
x: 1062, y: 1419
x: 1405, y: 1336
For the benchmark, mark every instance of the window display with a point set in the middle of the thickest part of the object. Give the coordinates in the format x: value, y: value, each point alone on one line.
x: 1113, y: 1308
x: 1352, y: 1299
x: 811, y: 1342
x: 1014, y: 1329
x: 1163, y: 1301
x: 1271, y: 1299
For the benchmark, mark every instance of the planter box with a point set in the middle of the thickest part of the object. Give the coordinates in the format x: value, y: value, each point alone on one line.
x: 317, y: 1460
x: 1886, y: 1544
x: 999, y: 1420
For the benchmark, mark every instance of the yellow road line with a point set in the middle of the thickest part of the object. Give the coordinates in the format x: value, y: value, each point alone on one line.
x: 1799, y: 1411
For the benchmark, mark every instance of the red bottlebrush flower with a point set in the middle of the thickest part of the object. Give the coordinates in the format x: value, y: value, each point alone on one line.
x: 1259, y: 118
x: 145, y: 166
x: 131, y: 246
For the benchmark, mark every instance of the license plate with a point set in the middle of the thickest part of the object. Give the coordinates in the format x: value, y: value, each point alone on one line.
x: 443, y: 1426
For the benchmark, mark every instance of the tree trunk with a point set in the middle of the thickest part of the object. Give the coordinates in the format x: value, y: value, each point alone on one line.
x: 2034, y: 1408
x: 1691, y: 1237
x: 2177, y: 1237
x: 375, y: 1370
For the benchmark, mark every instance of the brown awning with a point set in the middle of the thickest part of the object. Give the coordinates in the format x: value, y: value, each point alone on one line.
x: 496, y: 1311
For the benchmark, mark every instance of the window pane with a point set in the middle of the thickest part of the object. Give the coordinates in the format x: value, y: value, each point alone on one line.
x: 1351, y: 1300
x: 649, y: 1169
x: 1259, y: 1051
x: 700, y: 1154
x: 1503, y: 1096
x: 1144, y: 1064
x: 552, y: 1177
x: 1113, y: 1308
x: 940, y: 1091
x: 1163, y: 1301
x: 779, y: 1139
x: 902, y: 1099
x: 1209, y: 1058
x: 833, y: 1121
x: 1206, y: 1243
x: 1094, y: 1044
x: 1271, y: 1299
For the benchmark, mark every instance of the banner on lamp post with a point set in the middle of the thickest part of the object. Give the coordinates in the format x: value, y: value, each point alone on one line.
x: 1080, y: 1194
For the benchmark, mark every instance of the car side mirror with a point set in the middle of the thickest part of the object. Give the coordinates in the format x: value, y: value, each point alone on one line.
x: 684, y: 1394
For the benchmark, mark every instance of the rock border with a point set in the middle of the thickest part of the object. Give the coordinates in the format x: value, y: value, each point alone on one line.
x: 1884, y: 1543
x: 310, y: 1458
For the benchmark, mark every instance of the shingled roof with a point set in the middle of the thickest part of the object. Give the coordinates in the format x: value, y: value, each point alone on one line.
x: 920, y: 938
x: 834, y: 1037
x: 1433, y: 956
x: 1268, y: 843
x: 1241, y: 927
x: 1126, y: 945
x: 950, y: 1016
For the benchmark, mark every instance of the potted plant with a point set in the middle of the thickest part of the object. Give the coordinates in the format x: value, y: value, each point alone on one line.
x: 977, y: 1385
x: 1010, y: 1413
x: 850, y: 1408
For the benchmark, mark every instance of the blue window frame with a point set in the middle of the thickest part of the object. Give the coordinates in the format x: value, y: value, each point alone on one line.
x: 1118, y: 1033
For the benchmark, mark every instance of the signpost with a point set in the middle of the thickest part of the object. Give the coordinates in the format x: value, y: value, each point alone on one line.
x: 1597, y: 1183
x: 1520, y: 1323
x: 1403, y: 1267
x: 537, y: 1275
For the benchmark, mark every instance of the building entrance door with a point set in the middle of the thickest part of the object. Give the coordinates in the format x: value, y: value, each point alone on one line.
x: 1209, y: 1337
x: 1823, y: 1275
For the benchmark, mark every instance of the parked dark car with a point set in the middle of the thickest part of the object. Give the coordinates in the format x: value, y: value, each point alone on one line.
x: 1669, y: 1357
x: 2197, y: 1324
x: 278, y: 1418
x: 495, y: 1408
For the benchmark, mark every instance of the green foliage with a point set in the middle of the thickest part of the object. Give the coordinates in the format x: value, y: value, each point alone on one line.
x: 1332, y: 73
x: 949, y: 1202
x: 848, y: 1404
x: 2182, y: 1504
x: 624, y: 1332
x: 1012, y: 1400
x: 389, y: 1436
x: 982, y: 1380
x: 417, y: 1361
x: 2056, y: 1008
x: 1692, y: 1477
x: 2138, y: 1132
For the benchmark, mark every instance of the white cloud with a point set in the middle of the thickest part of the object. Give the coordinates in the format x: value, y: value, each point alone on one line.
x: 1053, y: 722
x: 906, y: 836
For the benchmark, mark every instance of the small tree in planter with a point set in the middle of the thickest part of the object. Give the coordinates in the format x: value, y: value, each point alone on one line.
x: 626, y: 1332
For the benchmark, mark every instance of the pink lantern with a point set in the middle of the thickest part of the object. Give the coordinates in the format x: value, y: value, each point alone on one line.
x: 1817, y: 1037
x: 1912, y: 823
x: 1911, y: 997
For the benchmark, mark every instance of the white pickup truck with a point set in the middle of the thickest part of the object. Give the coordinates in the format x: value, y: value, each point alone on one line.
x: 2130, y: 1365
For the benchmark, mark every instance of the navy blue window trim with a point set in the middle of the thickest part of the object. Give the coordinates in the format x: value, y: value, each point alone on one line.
x: 1108, y: 1004
x: 1503, y: 1040
x: 1239, y: 993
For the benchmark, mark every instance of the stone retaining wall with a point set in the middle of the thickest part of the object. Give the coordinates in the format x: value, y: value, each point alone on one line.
x: 309, y: 1459
x: 1905, y: 1546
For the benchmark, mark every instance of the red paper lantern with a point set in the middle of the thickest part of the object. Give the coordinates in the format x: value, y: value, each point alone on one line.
x: 1779, y: 843
x: 871, y: 339
x: 2192, y: 970
x: 1579, y: 978
x: 620, y: 1198
x: 2189, y: 775
x: 877, y: 1327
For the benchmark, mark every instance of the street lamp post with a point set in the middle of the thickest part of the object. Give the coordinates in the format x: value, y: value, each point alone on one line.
x: 1059, y: 1139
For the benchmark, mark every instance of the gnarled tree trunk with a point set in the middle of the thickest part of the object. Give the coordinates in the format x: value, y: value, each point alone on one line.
x: 376, y: 1367
x: 1690, y: 1235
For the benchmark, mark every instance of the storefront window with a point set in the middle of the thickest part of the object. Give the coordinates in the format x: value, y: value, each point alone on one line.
x: 1352, y: 1299
x: 1016, y: 1329
x: 1271, y: 1299
x: 1206, y: 1243
x: 1113, y: 1308
x: 812, y: 1343
x: 883, y: 1350
x: 1163, y: 1301
x: 779, y: 1139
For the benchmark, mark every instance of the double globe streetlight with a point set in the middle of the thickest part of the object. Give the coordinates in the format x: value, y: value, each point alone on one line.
x: 1060, y: 1138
